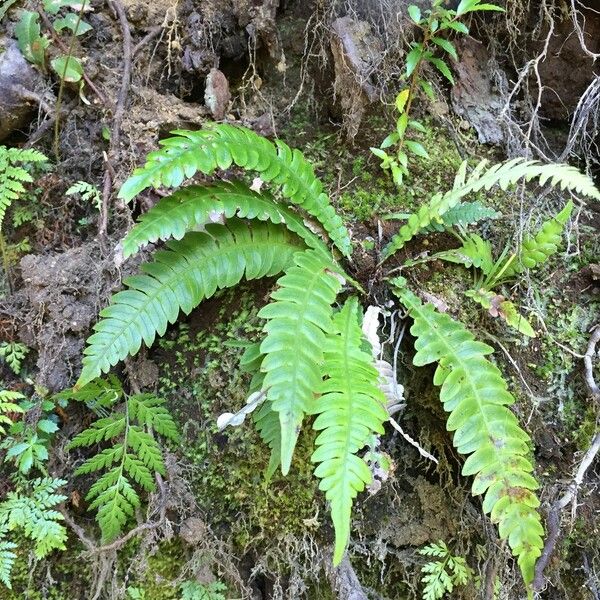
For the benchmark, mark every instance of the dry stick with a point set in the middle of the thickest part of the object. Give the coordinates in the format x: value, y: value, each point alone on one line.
x: 152, y: 33
x: 587, y: 363
x: 570, y: 496
x: 115, y: 137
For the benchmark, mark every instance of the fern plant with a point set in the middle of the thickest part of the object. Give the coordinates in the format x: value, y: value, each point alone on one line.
x: 9, y: 409
x: 133, y: 459
x: 441, y: 576
x: 14, y: 173
x: 33, y: 513
x: 14, y: 354
x: 475, y: 394
x: 313, y: 358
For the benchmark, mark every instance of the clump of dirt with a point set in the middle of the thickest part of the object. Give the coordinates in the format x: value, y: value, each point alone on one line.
x: 58, y: 301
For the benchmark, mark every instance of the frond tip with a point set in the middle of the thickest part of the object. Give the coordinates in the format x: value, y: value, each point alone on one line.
x: 351, y: 410
x: 474, y: 392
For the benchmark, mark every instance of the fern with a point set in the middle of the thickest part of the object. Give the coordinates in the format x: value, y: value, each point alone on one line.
x: 298, y: 320
x: 537, y: 249
x: 7, y: 557
x: 351, y: 409
x: 442, y: 576
x: 132, y: 459
x: 192, y: 207
x: 221, y: 146
x: 193, y: 590
x: 503, y: 174
x: 13, y: 174
x: 14, y: 354
x: 475, y: 394
x: 8, y: 407
x: 88, y: 193
x: 191, y: 270
x: 35, y: 516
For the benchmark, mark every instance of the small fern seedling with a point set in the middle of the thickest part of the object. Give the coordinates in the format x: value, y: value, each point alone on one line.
x: 14, y: 354
x: 32, y: 512
x: 193, y: 590
x: 132, y: 460
x: 442, y: 576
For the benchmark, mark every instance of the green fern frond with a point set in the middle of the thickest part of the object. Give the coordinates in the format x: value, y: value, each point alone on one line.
x: 475, y: 394
x: 475, y: 252
x: 33, y: 514
x: 351, y: 409
x: 194, y: 206
x: 464, y: 213
x: 150, y: 411
x: 537, y: 249
x: 503, y: 174
x: 221, y: 146
x: 7, y: 558
x: 8, y: 406
x: 13, y: 174
x: 134, y: 456
x: 269, y: 429
x: 298, y: 320
x: 191, y: 270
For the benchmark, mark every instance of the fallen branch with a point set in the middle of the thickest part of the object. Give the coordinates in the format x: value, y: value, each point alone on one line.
x: 588, y: 365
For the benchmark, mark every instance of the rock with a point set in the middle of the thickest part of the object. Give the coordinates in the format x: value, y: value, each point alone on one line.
x: 193, y: 530
x: 15, y: 72
x: 216, y: 94
x: 474, y: 97
x: 356, y: 53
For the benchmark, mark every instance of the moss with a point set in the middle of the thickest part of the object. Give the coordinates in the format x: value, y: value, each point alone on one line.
x: 199, y: 376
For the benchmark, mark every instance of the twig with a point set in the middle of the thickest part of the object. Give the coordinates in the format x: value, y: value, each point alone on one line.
x: 115, y: 137
x: 554, y: 515
x: 588, y: 365
x: 152, y: 33
x: 26, y: 94
x: 64, y: 48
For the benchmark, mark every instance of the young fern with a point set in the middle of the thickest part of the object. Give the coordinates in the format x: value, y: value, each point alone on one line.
x: 13, y: 174
x: 34, y: 515
x: 8, y: 408
x: 221, y: 146
x: 537, y: 249
x: 503, y: 174
x: 351, y: 410
x: 133, y: 458
x: 475, y: 394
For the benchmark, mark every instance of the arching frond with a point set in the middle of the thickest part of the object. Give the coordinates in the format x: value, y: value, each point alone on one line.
x: 194, y: 206
x: 504, y: 174
x: 220, y: 146
x: 178, y: 279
